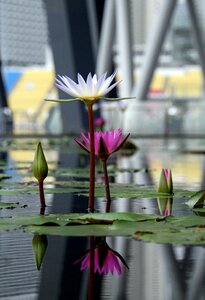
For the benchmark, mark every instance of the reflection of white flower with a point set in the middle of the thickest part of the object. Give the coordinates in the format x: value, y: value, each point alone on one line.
x: 89, y: 90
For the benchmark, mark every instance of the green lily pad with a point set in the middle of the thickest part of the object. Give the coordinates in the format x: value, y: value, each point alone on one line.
x: 174, y: 230
x: 82, y: 188
x: 150, y: 228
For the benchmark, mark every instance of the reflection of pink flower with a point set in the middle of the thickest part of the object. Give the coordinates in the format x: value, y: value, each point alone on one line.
x: 105, y: 143
x: 166, y: 211
x: 106, y: 260
x: 165, y: 186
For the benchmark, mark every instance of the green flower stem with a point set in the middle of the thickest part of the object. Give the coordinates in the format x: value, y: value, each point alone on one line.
x: 92, y: 159
x: 107, y: 186
x: 42, y: 198
x: 91, y: 275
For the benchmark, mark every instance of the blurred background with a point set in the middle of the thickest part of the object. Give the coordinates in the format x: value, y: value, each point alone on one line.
x: 156, y: 46
x: 157, y: 49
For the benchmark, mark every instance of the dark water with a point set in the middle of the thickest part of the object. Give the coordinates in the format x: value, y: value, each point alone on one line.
x: 163, y: 272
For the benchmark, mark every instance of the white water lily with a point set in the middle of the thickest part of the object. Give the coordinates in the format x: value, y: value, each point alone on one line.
x: 88, y: 90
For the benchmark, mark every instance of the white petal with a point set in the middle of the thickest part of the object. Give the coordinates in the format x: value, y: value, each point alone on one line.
x: 95, y: 80
x: 69, y: 84
x: 94, y: 84
x: 74, y: 86
x: 106, y: 83
x: 66, y: 90
x: 81, y: 81
x: 112, y: 87
x: 100, y: 81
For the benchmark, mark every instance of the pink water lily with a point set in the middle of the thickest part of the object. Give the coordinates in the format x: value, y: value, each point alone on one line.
x: 106, y: 260
x: 90, y: 89
x: 105, y: 143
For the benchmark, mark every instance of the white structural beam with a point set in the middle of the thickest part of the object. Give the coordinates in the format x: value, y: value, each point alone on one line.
x: 124, y: 46
x: 197, y: 34
x: 153, y: 49
x: 104, y: 57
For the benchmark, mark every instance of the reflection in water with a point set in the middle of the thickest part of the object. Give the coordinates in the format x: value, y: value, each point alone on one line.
x: 165, y: 206
x: 106, y: 260
x: 185, y: 269
x: 165, y: 186
x: 162, y: 272
x: 39, y: 245
x: 101, y: 259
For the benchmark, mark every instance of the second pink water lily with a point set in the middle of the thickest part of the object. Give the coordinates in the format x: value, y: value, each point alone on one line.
x: 105, y: 142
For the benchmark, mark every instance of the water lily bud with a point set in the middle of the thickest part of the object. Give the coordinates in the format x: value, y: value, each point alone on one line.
x: 39, y: 245
x: 40, y: 167
x: 103, y: 152
x: 165, y: 182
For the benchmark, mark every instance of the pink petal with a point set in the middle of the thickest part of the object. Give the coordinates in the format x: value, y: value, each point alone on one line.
x: 86, y: 140
x: 86, y: 262
x: 115, y: 265
x: 81, y: 144
x: 166, y: 211
x: 121, y: 143
x: 96, y: 263
x: 166, y: 173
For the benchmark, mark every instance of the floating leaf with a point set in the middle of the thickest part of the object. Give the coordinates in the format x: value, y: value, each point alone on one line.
x: 176, y: 230
x: 70, y: 219
x: 197, y: 199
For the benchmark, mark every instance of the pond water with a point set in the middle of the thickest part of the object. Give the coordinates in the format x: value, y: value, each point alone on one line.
x: 156, y: 271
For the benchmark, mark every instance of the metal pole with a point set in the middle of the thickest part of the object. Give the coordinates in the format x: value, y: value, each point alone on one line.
x: 3, y: 97
x: 104, y: 57
x: 154, y: 46
x: 196, y: 286
x: 197, y: 34
x: 93, y: 25
x: 124, y: 46
x: 72, y: 50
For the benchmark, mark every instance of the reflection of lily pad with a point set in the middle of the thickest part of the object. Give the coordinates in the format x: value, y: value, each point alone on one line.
x: 9, y: 205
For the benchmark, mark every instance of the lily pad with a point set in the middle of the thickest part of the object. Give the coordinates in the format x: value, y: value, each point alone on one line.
x: 197, y: 199
x: 189, y: 230
x: 150, y: 228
